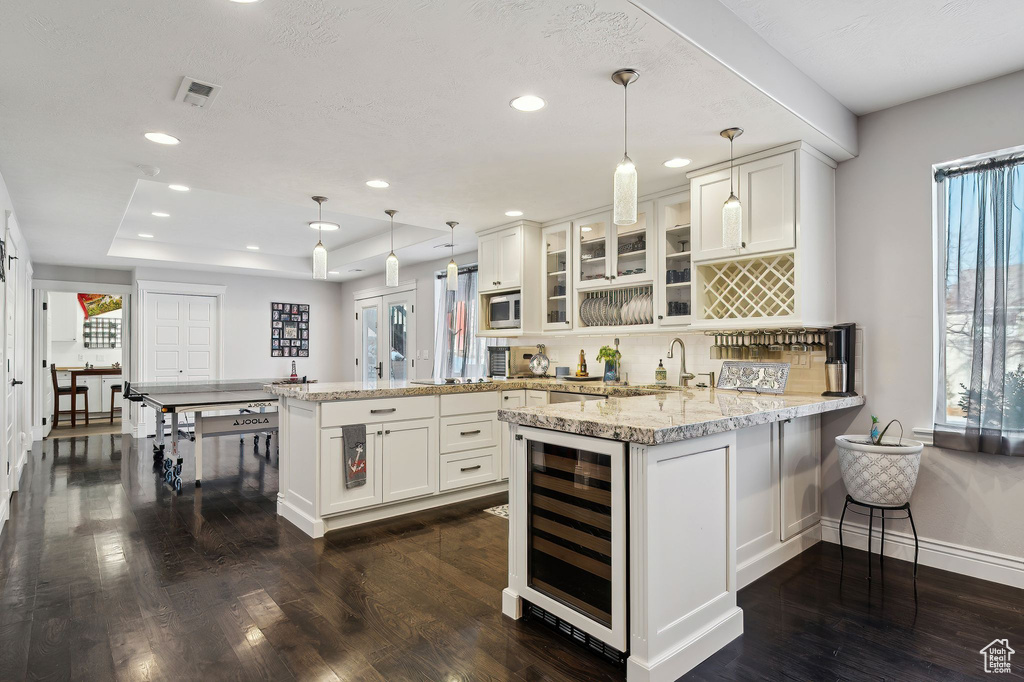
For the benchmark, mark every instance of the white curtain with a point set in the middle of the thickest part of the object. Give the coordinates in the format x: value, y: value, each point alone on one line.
x: 457, y: 350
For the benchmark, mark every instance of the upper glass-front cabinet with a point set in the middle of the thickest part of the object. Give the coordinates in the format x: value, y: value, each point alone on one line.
x: 614, y: 255
x: 675, y: 266
x: 557, y: 243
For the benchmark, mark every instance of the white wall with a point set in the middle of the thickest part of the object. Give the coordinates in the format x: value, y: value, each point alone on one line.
x: 74, y: 353
x: 885, y: 279
x: 246, y: 321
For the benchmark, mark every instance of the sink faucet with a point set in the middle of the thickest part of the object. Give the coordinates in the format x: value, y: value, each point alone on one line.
x: 684, y: 376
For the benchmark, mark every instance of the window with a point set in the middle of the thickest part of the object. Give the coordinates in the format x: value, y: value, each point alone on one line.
x: 457, y: 350
x: 980, y: 401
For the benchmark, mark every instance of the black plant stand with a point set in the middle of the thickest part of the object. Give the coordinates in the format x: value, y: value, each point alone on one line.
x: 871, y: 519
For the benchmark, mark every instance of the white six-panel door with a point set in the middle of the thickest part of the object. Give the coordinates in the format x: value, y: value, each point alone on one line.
x: 180, y: 337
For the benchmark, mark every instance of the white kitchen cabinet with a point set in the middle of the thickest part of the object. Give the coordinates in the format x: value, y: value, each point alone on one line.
x: 105, y: 384
x: 766, y: 188
x: 757, y: 491
x: 556, y: 284
x: 510, y: 400
x: 334, y: 496
x: 410, y: 459
x: 500, y: 259
x: 64, y: 325
x: 799, y: 474
x: 95, y: 386
x: 609, y: 255
x: 674, y: 295
x: 784, y: 273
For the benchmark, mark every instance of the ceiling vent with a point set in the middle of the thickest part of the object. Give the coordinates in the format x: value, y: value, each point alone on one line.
x: 196, y: 93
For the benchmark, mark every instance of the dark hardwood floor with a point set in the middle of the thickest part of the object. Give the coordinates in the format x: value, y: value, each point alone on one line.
x: 106, y: 574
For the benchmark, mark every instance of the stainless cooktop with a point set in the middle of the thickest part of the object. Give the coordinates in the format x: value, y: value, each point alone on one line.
x: 448, y: 381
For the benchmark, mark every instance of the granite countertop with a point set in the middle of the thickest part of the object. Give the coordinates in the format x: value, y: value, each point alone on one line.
x: 670, y: 416
x: 357, y: 390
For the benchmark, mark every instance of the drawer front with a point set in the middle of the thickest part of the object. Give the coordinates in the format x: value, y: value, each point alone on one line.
x: 469, y: 432
x: 469, y: 403
x: 513, y: 399
x: 345, y: 412
x: 469, y: 468
x: 536, y: 398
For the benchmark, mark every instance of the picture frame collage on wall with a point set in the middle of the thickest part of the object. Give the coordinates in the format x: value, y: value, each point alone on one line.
x: 289, y: 330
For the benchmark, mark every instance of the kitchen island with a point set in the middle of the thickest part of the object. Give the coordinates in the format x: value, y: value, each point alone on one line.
x: 424, y: 446
x: 635, y: 520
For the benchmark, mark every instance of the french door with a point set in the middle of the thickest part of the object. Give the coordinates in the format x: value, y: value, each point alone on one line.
x: 386, y: 337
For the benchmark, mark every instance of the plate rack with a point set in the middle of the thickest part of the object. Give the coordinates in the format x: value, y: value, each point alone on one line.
x: 624, y: 307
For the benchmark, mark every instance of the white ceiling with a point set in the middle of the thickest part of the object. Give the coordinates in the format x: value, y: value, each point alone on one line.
x: 874, y: 54
x: 319, y: 97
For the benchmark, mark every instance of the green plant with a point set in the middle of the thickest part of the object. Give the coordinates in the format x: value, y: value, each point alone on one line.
x: 1009, y: 402
x: 608, y: 354
x: 876, y: 437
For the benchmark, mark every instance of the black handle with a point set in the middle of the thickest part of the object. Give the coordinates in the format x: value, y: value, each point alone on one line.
x: 383, y: 410
x: 380, y: 369
x: 387, y: 431
x: 469, y: 433
x: 15, y: 382
x: 504, y: 397
x: 472, y: 468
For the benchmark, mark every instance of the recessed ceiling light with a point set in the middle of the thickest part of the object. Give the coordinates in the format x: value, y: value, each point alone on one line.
x: 513, y: 214
x: 676, y: 163
x: 253, y: 247
x: 528, y: 103
x: 178, y: 188
x: 162, y: 138
x: 323, y: 225
x: 161, y: 214
x: 378, y: 184
x: 145, y: 236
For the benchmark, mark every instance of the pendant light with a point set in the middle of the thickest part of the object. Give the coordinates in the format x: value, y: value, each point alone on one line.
x: 320, y: 251
x: 391, y: 264
x: 624, y: 196
x: 732, y: 211
x: 453, y: 268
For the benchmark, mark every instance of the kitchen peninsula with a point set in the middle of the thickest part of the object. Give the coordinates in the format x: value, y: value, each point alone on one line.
x: 635, y: 520
x: 426, y: 445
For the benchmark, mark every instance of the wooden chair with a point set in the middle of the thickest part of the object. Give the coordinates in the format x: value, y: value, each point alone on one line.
x: 114, y: 390
x: 59, y: 390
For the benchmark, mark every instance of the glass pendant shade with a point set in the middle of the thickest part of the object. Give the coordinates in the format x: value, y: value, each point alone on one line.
x: 453, y: 275
x: 319, y: 261
x: 391, y: 270
x: 732, y: 223
x: 624, y: 198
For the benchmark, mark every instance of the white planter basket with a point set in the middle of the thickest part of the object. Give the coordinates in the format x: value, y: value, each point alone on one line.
x: 880, y: 475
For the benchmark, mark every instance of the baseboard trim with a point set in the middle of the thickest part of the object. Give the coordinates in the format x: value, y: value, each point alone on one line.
x: 5, y: 513
x: 977, y: 563
x: 17, y: 469
x: 776, y: 555
x: 689, y: 654
x: 300, y: 519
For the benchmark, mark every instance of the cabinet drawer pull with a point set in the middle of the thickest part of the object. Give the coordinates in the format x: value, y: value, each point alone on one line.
x: 387, y: 431
x: 383, y: 410
x: 504, y: 397
x: 472, y: 468
x: 469, y: 433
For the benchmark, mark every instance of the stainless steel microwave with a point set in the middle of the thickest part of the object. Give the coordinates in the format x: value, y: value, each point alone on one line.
x: 505, y: 311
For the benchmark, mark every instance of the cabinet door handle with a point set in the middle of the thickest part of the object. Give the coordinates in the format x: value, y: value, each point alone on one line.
x: 387, y: 431
x: 383, y: 410
x: 504, y: 397
x: 469, y: 433
x: 379, y: 433
x: 472, y: 468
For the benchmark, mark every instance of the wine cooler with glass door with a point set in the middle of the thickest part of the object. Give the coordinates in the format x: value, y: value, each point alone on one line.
x: 572, y: 558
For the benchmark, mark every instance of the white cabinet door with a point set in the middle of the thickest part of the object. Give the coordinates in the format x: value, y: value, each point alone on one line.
x: 591, y: 263
x: 708, y: 193
x: 556, y: 283
x: 673, y: 291
x: 487, y: 262
x: 64, y: 319
x: 510, y: 258
x: 410, y: 457
x: 105, y: 388
x: 509, y: 400
x: 757, y: 491
x: 632, y: 247
x: 800, y: 474
x: 334, y: 496
x: 95, y: 387
x: 768, y: 194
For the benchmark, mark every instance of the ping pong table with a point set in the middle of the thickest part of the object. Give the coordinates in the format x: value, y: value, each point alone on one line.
x: 247, y: 397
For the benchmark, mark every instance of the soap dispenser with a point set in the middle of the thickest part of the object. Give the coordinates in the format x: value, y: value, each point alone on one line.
x: 660, y: 374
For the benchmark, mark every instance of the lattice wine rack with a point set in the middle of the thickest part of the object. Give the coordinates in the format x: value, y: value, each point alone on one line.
x: 755, y: 287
